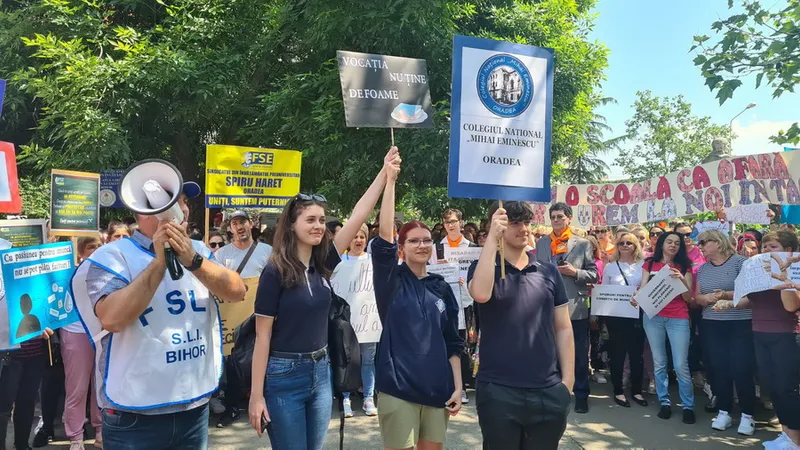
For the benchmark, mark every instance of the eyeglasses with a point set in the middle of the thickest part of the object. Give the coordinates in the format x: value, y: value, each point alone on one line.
x: 451, y: 222
x: 601, y: 231
x: 656, y: 234
x: 216, y: 244
x: 625, y: 244
x: 704, y: 242
x: 309, y: 197
x: 419, y: 242
x: 684, y: 235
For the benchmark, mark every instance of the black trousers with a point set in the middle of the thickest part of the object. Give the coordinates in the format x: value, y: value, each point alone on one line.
x: 521, y: 419
x: 627, y: 339
x: 19, y: 383
x: 233, y: 387
x: 779, y: 365
x: 733, y: 359
x: 52, y: 393
x: 580, y: 330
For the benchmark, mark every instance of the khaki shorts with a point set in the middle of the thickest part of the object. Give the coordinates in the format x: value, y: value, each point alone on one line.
x: 403, y: 423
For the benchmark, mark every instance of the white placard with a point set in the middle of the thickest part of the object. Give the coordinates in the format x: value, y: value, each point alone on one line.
x: 723, y: 227
x: 765, y: 271
x: 755, y: 213
x: 614, y: 300
x: 464, y: 256
x: 659, y: 291
x: 451, y: 273
x: 352, y: 280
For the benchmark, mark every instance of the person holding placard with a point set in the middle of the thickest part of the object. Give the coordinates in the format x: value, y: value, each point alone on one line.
x: 775, y: 331
x: 673, y: 322
x: 291, y: 391
x: 418, y: 371
x: 357, y: 250
x: 727, y: 335
x: 626, y: 335
x: 527, y: 351
x: 573, y: 258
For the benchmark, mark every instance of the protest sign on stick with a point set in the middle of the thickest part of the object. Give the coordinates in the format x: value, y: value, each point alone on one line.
x: 10, y: 199
x: 37, y: 280
x: 451, y: 273
x: 659, y: 291
x: 614, y: 301
x: 233, y: 314
x: 24, y: 233
x: 74, y: 203
x: 352, y: 280
x: 766, y: 271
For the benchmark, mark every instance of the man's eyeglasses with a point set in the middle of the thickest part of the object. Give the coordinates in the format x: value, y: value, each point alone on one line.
x: 419, y: 242
x: 625, y: 244
x: 216, y: 244
x: 451, y: 222
x: 309, y: 197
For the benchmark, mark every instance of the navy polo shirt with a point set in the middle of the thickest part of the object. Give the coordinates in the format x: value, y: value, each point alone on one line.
x: 300, y: 312
x: 518, y: 345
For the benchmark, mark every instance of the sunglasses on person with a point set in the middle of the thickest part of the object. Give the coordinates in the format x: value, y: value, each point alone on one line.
x: 704, y: 242
x: 216, y: 244
x: 601, y: 230
x: 625, y: 244
x: 656, y: 233
x: 311, y: 197
x: 684, y: 235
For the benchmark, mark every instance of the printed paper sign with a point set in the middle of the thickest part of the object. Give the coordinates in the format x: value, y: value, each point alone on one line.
x: 659, y: 291
x: 501, y: 120
x: 464, y: 256
x: 352, y: 280
x: 385, y: 91
x: 10, y: 200
x: 109, y: 188
x: 723, y: 227
x: 614, y: 301
x: 24, y: 233
x: 754, y: 214
x: 233, y: 314
x: 37, y: 282
x: 246, y: 177
x: 451, y: 273
x: 74, y: 203
x: 765, y: 271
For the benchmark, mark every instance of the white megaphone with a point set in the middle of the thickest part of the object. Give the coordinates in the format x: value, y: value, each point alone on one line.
x: 151, y: 188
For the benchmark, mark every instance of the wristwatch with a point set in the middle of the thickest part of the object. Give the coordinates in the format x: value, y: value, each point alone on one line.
x: 197, y: 261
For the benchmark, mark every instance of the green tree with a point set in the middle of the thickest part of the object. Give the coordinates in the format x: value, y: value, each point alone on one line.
x: 103, y: 83
x: 756, y: 41
x: 667, y: 137
x: 589, y: 166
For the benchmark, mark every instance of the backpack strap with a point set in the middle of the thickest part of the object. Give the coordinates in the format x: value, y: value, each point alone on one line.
x: 247, y: 257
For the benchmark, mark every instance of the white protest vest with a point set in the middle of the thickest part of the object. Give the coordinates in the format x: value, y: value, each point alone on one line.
x: 173, y: 353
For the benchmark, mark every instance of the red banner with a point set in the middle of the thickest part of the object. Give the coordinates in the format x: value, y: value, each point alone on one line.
x: 10, y: 200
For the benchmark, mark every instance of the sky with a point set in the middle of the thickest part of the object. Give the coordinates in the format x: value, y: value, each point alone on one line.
x: 649, y: 44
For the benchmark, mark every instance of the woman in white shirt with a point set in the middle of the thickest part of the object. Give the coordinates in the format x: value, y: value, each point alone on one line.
x: 626, y: 335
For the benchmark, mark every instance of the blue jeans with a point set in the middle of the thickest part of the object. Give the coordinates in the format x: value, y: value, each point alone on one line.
x: 367, y: 369
x: 658, y: 329
x: 186, y: 430
x: 299, y: 401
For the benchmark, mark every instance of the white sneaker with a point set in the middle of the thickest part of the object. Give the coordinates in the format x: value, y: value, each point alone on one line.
x: 747, y: 426
x: 722, y: 422
x: 348, y: 409
x: 369, y: 407
x: 464, y: 398
x: 76, y: 445
x: 599, y: 378
x: 782, y: 443
x: 707, y: 390
x: 651, y: 388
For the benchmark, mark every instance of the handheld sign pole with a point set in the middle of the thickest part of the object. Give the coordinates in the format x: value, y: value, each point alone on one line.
x: 502, y: 252
x: 392, y: 131
x: 50, y: 351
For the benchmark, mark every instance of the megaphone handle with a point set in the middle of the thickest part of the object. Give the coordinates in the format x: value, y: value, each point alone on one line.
x: 174, y: 266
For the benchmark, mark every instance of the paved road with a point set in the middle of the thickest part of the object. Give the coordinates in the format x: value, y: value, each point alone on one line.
x: 606, y: 426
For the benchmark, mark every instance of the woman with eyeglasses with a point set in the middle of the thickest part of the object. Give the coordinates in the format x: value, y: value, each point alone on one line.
x: 418, y: 370
x: 727, y: 335
x: 775, y: 332
x: 215, y: 241
x: 671, y: 322
x: 655, y: 232
x: 291, y: 376
x: 626, y: 335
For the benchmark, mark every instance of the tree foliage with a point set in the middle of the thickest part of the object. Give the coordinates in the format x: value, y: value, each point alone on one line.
x: 758, y: 42
x: 667, y: 137
x: 589, y: 166
x: 99, y: 84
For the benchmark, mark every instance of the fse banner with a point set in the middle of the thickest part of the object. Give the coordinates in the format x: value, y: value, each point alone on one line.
x: 74, y: 203
x: 10, y: 200
x: 37, y: 282
x: 501, y: 120
x: 247, y: 177
x: 726, y: 184
x: 385, y: 91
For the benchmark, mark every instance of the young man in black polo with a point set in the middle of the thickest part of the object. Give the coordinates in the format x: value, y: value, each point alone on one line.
x: 527, y: 365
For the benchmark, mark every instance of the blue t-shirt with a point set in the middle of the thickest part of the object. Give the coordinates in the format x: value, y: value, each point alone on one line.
x: 518, y: 345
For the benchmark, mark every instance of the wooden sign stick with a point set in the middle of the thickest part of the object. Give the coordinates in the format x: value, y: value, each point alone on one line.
x: 392, y: 131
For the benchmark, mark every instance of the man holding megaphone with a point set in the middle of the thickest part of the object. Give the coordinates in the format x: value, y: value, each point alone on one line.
x: 153, y: 322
